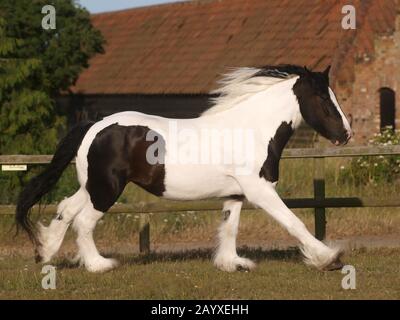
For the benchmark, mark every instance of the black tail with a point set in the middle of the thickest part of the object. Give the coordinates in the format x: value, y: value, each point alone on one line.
x: 44, y: 182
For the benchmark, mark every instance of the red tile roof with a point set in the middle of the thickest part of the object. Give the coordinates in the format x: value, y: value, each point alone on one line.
x: 182, y: 48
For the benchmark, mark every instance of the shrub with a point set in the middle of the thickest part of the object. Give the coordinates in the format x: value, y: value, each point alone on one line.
x: 379, y: 169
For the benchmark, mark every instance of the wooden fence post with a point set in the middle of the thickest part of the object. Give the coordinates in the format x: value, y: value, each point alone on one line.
x: 319, y: 195
x: 144, y: 233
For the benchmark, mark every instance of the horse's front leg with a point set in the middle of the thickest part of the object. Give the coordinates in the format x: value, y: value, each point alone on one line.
x: 226, y: 257
x: 262, y: 193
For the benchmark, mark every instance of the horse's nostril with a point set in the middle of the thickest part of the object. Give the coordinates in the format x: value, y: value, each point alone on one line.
x: 350, y: 134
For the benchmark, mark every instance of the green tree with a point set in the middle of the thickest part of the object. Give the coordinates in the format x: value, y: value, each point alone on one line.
x: 35, y: 66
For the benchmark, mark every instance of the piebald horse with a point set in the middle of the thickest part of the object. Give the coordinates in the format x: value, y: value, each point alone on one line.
x: 270, y: 102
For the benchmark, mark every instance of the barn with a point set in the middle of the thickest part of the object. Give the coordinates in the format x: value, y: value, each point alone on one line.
x: 165, y: 59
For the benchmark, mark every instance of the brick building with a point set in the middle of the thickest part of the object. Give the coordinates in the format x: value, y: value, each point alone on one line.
x: 166, y: 59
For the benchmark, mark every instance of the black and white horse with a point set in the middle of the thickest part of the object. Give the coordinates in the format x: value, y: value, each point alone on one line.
x: 266, y: 104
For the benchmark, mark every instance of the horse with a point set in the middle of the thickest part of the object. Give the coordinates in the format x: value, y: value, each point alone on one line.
x: 270, y: 102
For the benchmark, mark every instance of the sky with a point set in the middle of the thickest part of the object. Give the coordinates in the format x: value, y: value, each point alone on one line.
x: 95, y: 6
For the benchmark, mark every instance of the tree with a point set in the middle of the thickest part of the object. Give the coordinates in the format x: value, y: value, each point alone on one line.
x: 35, y: 66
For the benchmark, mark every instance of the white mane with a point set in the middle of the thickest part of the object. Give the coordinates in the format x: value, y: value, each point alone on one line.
x: 240, y: 84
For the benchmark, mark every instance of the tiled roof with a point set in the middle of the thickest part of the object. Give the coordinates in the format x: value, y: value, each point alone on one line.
x: 182, y: 48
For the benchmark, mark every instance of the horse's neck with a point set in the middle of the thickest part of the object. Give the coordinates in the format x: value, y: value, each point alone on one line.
x: 266, y: 110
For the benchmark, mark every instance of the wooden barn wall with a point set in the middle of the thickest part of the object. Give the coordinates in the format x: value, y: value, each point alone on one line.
x: 95, y: 107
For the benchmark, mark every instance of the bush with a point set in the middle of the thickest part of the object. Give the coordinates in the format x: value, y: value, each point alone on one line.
x: 375, y: 170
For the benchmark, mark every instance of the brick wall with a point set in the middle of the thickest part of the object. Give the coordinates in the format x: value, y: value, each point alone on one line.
x: 361, y: 98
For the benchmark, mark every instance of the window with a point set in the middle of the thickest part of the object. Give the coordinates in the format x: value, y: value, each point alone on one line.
x: 387, y: 107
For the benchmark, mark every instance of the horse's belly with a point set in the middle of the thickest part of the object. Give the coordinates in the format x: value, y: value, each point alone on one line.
x: 196, y: 182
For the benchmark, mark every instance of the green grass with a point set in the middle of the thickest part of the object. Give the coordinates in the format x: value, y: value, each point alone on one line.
x: 190, y: 275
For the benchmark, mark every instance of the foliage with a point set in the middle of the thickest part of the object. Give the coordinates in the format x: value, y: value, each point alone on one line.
x: 376, y: 170
x: 36, y: 65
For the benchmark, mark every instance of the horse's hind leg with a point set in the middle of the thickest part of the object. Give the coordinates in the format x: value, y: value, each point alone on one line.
x: 226, y: 257
x: 103, y: 192
x: 51, y: 237
x: 84, y: 224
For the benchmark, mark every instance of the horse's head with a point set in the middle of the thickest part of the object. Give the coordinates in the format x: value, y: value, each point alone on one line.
x: 320, y: 108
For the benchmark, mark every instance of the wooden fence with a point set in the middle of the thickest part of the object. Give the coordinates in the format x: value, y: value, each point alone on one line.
x: 319, y: 202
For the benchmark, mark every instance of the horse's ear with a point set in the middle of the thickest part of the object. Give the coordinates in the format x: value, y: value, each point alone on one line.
x: 326, y: 72
x: 308, y: 72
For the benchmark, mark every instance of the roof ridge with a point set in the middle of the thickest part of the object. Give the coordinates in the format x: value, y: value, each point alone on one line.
x: 152, y: 6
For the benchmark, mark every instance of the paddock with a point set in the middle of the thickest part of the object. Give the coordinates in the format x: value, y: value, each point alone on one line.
x: 182, y: 269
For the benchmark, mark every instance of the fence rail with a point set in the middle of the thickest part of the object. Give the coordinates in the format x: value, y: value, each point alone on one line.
x: 319, y: 202
x: 287, y: 154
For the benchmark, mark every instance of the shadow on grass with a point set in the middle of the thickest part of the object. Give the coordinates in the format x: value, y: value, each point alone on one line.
x: 256, y: 254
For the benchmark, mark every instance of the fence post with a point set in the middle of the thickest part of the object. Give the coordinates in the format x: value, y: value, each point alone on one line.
x: 319, y: 194
x: 144, y: 233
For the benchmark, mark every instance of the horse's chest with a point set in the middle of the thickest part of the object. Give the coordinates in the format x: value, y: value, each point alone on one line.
x: 270, y: 168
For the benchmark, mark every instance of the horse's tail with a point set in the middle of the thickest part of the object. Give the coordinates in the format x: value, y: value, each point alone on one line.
x: 45, y: 181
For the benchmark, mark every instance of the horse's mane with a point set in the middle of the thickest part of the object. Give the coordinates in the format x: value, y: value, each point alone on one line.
x: 241, y: 83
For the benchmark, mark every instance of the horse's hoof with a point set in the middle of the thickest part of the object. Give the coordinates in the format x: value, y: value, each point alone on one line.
x: 242, y: 268
x: 335, y: 265
x: 38, y: 257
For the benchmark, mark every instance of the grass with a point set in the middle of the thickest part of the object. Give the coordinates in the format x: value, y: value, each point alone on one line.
x: 190, y: 275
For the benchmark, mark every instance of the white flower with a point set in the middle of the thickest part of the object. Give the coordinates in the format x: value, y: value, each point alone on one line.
x: 341, y: 167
